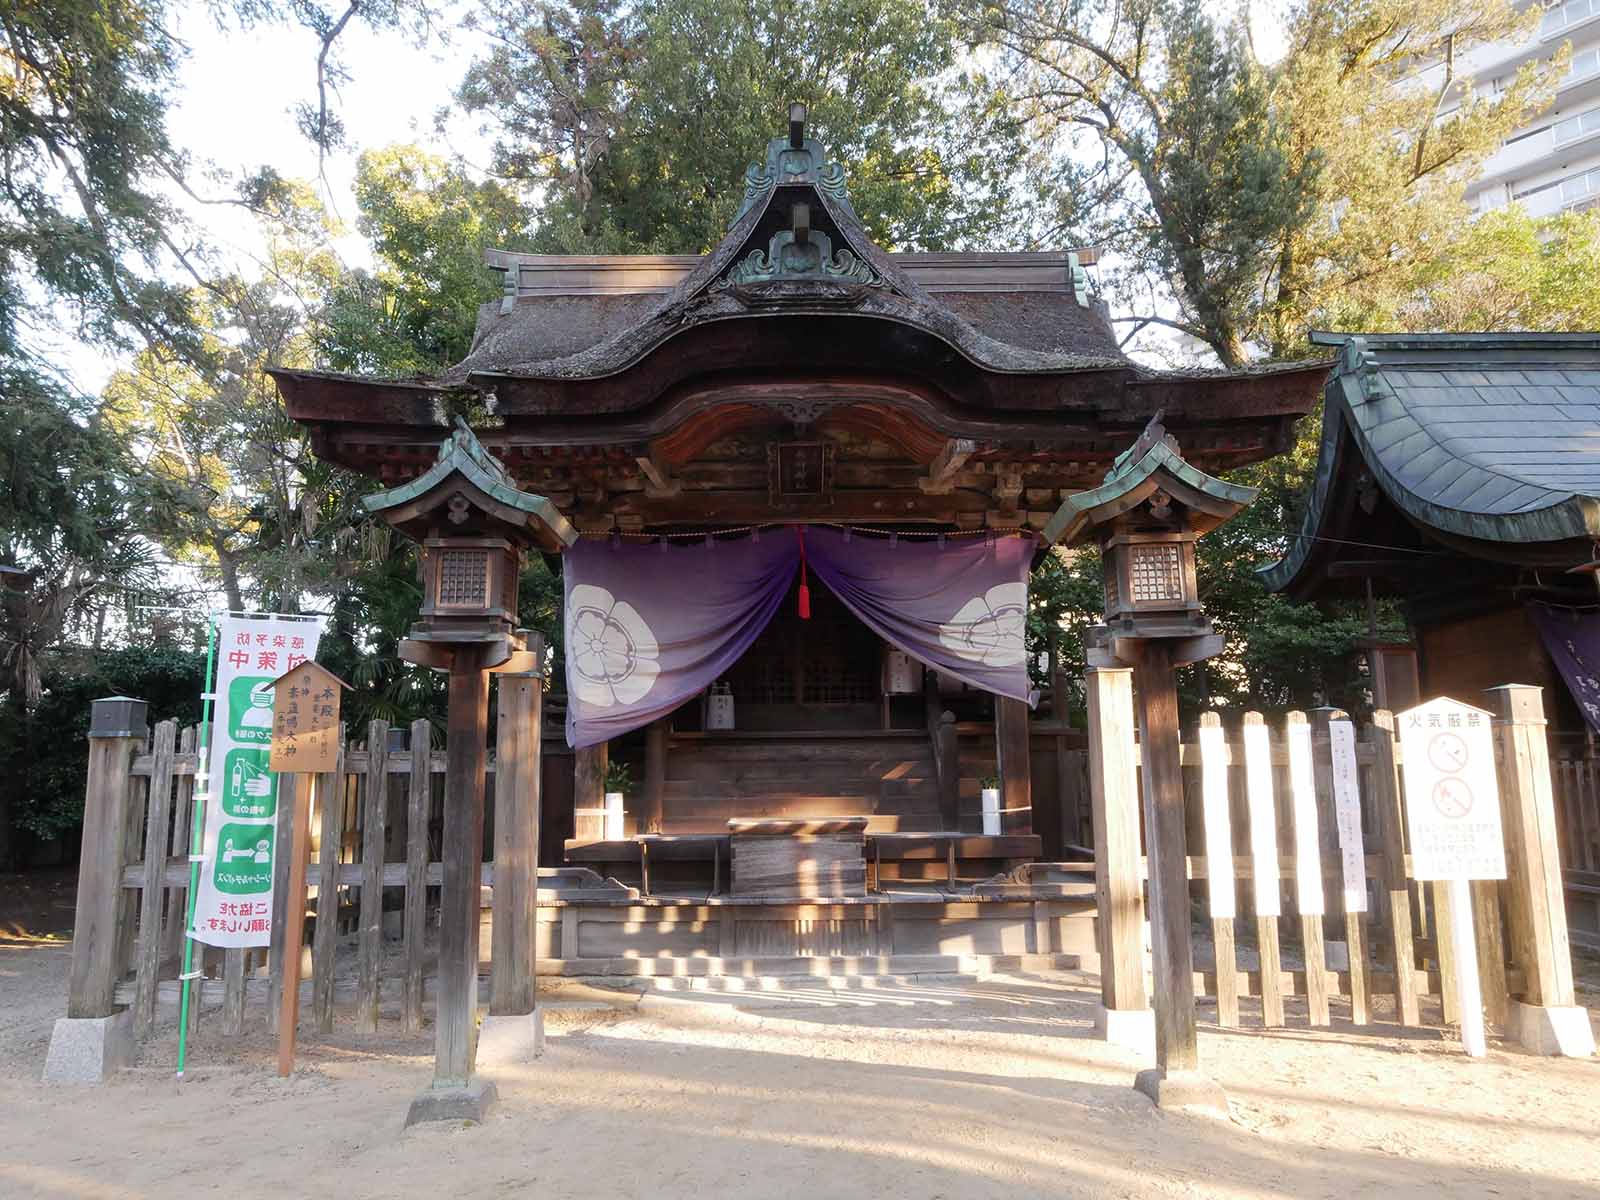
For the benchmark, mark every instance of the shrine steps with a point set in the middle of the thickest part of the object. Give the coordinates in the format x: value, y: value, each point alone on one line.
x: 769, y: 973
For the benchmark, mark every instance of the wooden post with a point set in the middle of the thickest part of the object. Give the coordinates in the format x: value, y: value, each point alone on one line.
x: 589, y: 790
x: 289, y: 788
x: 655, y: 773
x: 1352, y: 898
x: 947, y: 757
x: 1266, y: 881
x: 1219, y: 864
x: 157, y: 825
x: 516, y: 843
x: 1536, y: 905
x: 92, y: 975
x: 293, y: 932
x: 1177, y: 1048
x: 325, y: 938
x: 1307, y: 864
x: 456, y: 1023
x: 1114, y: 810
x: 374, y: 840
x: 1016, y: 766
x: 1391, y: 844
x: 419, y: 796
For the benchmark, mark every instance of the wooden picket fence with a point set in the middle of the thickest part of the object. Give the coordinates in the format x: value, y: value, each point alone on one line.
x: 1577, y: 798
x: 376, y: 846
x: 1312, y: 810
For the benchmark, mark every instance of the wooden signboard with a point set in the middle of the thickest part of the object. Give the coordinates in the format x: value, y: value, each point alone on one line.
x: 305, y: 741
x: 305, y: 720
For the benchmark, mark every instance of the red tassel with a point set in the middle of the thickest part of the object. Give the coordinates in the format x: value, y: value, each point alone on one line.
x: 805, y: 590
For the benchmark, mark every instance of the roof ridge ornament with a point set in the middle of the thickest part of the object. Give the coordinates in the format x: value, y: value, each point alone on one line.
x: 1361, y: 361
x: 794, y: 158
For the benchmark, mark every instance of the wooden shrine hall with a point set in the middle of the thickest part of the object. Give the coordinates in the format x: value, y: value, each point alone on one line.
x: 798, y: 376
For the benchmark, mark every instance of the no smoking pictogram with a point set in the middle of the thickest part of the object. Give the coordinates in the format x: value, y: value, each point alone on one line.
x: 1452, y: 797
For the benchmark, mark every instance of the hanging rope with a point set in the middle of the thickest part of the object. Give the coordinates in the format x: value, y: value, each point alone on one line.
x: 805, y: 587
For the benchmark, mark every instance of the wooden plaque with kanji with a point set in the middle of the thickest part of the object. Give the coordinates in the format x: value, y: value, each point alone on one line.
x: 305, y: 720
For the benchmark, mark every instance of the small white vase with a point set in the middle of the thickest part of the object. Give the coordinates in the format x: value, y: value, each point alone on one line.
x: 613, y: 816
x: 991, y: 812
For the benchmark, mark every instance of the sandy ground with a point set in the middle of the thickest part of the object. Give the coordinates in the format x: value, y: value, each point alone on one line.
x: 942, y: 1091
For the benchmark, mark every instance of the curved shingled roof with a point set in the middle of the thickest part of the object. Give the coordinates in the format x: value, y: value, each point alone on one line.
x: 1492, y: 439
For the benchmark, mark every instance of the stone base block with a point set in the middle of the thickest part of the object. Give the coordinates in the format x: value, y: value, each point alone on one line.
x: 1132, y: 1028
x: 507, y: 1041
x: 471, y: 1103
x: 88, y: 1049
x: 1183, y: 1091
x: 1563, y: 1031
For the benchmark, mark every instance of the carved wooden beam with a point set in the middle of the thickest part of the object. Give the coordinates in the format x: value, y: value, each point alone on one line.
x: 941, y: 475
x: 661, y: 482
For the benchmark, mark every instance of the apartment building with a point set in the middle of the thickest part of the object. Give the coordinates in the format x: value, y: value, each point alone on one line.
x: 1553, y: 163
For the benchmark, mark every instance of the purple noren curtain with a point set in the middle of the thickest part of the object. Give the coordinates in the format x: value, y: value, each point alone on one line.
x: 649, y: 625
x: 958, y: 605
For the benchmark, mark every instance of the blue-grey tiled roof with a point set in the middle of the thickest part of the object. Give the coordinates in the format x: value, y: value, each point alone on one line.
x: 1490, y: 437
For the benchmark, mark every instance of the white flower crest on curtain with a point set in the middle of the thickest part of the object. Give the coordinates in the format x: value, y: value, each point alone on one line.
x: 988, y: 629
x: 611, y: 648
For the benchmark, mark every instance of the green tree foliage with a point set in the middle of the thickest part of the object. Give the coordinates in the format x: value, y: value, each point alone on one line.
x: 1507, y: 271
x: 1374, y: 91
x: 1168, y: 153
x: 67, y: 523
x: 82, y: 137
x: 638, y: 137
x: 1242, y: 204
x: 428, y: 223
x: 44, y: 751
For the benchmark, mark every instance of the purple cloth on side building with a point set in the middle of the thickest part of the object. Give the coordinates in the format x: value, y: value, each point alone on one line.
x: 1573, y: 641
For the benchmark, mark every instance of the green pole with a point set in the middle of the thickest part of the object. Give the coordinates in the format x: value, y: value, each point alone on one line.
x: 202, y: 797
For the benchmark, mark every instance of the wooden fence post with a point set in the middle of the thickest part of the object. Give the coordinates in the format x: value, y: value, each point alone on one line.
x: 419, y: 803
x: 94, y: 1039
x: 325, y: 937
x: 1547, y: 1019
x: 92, y: 976
x: 374, y: 841
x: 1391, y: 845
x: 1125, y: 1015
x: 157, y: 830
x: 516, y: 844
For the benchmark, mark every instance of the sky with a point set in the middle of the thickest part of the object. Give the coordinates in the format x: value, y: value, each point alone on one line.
x: 233, y: 111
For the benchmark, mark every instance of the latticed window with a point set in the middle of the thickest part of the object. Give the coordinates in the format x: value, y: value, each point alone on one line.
x: 463, y: 578
x: 1155, y: 573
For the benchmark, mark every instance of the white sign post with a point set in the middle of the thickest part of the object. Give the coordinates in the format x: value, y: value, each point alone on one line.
x: 1453, y: 820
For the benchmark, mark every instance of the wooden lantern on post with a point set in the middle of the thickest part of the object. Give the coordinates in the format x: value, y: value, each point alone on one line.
x: 1146, y: 517
x: 473, y: 525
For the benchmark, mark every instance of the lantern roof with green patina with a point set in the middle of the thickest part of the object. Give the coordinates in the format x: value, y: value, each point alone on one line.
x: 1153, y: 463
x: 472, y: 487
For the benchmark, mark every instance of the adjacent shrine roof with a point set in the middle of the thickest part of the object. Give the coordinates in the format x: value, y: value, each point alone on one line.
x: 796, y: 325
x: 1488, y: 444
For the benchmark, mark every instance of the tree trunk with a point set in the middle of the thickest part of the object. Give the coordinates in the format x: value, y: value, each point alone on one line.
x: 229, y: 565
